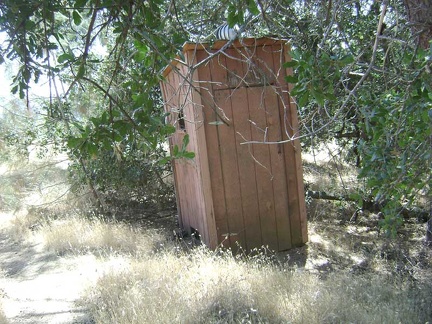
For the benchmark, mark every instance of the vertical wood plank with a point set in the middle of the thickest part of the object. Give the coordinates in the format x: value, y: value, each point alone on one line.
x: 298, y: 158
x: 280, y: 192
x: 213, y: 149
x: 268, y: 72
x: 169, y: 94
x: 228, y: 151
x: 179, y: 168
x: 263, y: 172
x: 203, y: 164
x: 245, y: 163
x: 195, y: 198
x: 228, y: 154
x: 184, y: 173
x: 192, y: 168
x: 293, y: 163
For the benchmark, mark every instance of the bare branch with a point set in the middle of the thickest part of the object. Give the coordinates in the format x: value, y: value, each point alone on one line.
x: 351, y: 94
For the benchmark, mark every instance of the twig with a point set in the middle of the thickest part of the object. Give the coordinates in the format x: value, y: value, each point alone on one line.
x: 106, y: 93
x: 351, y: 93
x: 89, y: 32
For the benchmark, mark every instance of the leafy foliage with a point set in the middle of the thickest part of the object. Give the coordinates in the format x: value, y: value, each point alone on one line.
x: 397, y: 146
x: 359, y: 78
x: 115, y: 133
x: 372, y: 93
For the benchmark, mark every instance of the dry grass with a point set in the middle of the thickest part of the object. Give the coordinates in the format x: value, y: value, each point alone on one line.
x: 347, y: 273
x: 350, y: 273
x: 26, y: 183
x: 161, y: 282
x: 206, y: 287
x: 3, y: 319
x: 80, y: 235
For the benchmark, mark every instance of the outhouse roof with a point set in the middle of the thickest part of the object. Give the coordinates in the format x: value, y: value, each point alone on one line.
x: 244, y: 42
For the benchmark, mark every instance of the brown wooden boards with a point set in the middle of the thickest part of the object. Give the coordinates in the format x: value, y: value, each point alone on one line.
x: 245, y: 162
x: 238, y: 194
x: 210, y: 121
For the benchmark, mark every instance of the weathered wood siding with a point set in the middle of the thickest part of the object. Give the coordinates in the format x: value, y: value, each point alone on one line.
x: 234, y: 193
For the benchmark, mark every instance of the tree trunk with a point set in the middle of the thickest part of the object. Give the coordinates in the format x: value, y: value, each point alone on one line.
x: 419, y: 14
x: 429, y: 232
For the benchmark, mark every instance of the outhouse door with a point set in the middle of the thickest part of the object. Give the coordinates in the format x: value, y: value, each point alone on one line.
x: 254, y: 186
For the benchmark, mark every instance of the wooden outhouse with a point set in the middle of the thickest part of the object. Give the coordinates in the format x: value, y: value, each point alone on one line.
x: 244, y: 187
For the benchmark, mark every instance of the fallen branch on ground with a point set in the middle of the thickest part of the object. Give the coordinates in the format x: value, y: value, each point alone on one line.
x: 370, y: 205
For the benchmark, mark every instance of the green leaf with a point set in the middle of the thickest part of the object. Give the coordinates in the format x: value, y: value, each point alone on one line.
x: 175, y: 150
x: 189, y: 155
x: 92, y: 149
x: 291, y: 79
x: 139, y: 99
x: 21, y: 90
x: 107, y: 3
x: 291, y: 64
x: 118, y: 137
x: 235, y: 16
x: 151, y: 20
x: 169, y: 129
x: 232, y: 18
x: 330, y: 96
x: 78, y: 126
x: 96, y: 121
x: 80, y: 4
x: 303, y: 99
x: 76, y: 17
x: 74, y: 142
x: 216, y: 122
x: 65, y: 57
x: 122, y: 127
x: 104, y: 117
x: 26, y: 76
x: 14, y: 89
x: 29, y: 25
x: 185, y: 142
x: 319, y: 97
x: 118, y: 28
x: 81, y: 71
x: 253, y: 8
x: 347, y: 59
x: 298, y: 89
x: 164, y: 161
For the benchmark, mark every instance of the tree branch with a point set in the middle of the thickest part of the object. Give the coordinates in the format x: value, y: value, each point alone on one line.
x: 89, y: 32
x: 350, y: 94
x: 107, y: 94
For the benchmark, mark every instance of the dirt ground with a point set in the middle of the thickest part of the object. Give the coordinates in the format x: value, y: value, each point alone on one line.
x: 37, y: 286
x: 40, y: 287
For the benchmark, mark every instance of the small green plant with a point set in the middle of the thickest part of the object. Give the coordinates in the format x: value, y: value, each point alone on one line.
x: 390, y: 224
x: 179, y: 153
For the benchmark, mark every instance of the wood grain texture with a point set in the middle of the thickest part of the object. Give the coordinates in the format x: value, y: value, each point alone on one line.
x: 238, y: 195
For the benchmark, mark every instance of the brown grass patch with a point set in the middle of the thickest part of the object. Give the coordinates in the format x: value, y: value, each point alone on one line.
x: 348, y: 272
x: 208, y: 287
x: 80, y: 235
